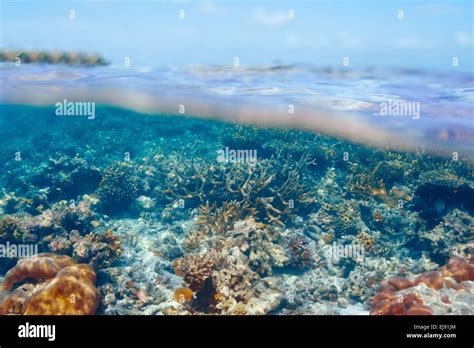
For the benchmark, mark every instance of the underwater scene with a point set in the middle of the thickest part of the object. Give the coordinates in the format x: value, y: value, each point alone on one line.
x: 213, y: 189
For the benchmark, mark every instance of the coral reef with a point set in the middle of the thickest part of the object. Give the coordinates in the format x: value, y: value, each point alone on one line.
x: 455, y: 230
x: 66, y: 177
x: 271, y: 189
x: 97, y: 249
x: 67, y: 228
x: 263, y: 244
x: 300, y: 253
x: 66, y: 288
x: 53, y: 57
x: 440, y: 191
x: 339, y: 218
x: 201, y: 274
x: 401, y: 296
x: 119, y: 186
x: 223, y: 284
x: 275, y: 236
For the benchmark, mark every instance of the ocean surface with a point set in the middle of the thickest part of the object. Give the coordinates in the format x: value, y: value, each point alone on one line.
x: 238, y: 190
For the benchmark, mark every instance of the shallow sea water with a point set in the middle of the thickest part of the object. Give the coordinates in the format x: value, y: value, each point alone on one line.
x: 182, y: 205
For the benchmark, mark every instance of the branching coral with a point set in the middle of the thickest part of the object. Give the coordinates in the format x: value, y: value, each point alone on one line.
x: 217, y: 221
x: 222, y: 284
x: 263, y: 244
x: 199, y: 273
x: 98, y: 249
x: 64, y: 288
x: 339, y: 218
x: 300, y: 254
x: 388, y: 172
x: 10, y: 229
x: 368, y: 182
x: 271, y: 189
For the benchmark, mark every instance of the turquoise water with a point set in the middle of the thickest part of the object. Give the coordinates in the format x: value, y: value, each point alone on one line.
x: 166, y: 187
x: 358, y: 105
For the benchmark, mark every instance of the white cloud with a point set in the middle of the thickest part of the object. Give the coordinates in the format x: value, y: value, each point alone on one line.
x: 273, y: 19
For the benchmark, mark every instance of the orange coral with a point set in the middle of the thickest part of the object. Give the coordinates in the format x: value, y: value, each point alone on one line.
x: 198, y: 272
x: 183, y: 295
x: 459, y: 269
x: 43, y: 266
x: 177, y: 264
x: 388, y: 302
x: 434, y: 280
x: 65, y: 288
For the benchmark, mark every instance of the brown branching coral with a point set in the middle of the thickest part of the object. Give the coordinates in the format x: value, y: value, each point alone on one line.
x: 270, y: 189
x: 339, y: 218
x: 10, y: 229
x: 103, y: 248
x: 63, y: 288
x: 222, y: 283
x: 367, y: 241
x: 196, y: 268
x: 199, y: 272
x: 366, y: 182
x: 300, y: 254
x: 217, y: 221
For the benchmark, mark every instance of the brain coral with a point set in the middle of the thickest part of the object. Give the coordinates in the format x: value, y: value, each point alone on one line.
x: 64, y: 288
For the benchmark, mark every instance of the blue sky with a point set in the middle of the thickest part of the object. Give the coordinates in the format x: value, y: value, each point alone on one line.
x: 321, y: 33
